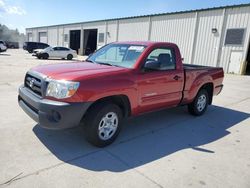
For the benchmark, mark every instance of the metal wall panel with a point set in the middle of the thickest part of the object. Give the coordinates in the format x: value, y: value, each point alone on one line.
x: 112, y: 31
x: 207, y: 42
x: 29, y: 35
x: 43, y: 37
x: 133, y: 29
x: 52, y: 36
x: 178, y: 29
x: 60, y: 35
x: 35, y: 35
x: 41, y: 30
x: 235, y: 18
x: 191, y: 31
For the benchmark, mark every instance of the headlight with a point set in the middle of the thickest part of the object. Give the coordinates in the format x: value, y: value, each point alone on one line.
x: 61, y: 89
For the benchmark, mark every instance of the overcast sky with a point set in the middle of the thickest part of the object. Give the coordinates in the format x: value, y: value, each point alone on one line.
x: 30, y: 13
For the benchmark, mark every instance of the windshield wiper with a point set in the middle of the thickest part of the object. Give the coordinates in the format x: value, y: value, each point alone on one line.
x: 101, y: 63
x: 106, y: 64
x: 88, y: 60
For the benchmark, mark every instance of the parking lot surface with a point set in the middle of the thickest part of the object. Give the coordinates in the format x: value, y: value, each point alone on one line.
x: 169, y: 148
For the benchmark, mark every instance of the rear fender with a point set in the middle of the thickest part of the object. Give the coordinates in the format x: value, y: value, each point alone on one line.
x: 200, y: 81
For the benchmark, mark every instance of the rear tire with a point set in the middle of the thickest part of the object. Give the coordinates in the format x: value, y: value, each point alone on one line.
x: 103, y: 124
x: 200, y: 103
x: 69, y: 57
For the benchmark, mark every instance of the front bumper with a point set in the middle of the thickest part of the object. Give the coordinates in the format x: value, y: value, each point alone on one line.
x: 3, y: 50
x: 51, y: 114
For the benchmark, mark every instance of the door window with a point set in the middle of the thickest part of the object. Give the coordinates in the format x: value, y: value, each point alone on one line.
x: 63, y: 49
x: 161, y: 59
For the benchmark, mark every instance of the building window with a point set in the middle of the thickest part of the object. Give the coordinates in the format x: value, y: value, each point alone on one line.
x: 101, y: 38
x: 235, y: 36
x: 66, y: 37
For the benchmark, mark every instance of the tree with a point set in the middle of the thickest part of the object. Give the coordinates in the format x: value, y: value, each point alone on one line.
x: 11, y: 35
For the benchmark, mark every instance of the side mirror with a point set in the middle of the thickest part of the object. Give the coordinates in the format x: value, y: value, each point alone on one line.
x: 152, y: 65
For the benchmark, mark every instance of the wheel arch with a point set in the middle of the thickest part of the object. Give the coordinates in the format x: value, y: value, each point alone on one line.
x: 120, y: 100
x: 209, y: 87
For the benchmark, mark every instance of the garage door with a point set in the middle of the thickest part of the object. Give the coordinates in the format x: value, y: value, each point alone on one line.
x: 29, y: 37
x: 43, y: 37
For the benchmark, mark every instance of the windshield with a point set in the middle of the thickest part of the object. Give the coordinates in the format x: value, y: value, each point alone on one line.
x: 122, y: 55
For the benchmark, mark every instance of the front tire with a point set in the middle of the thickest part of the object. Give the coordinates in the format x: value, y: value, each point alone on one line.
x: 45, y: 56
x: 200, y: 103
x: 103, y: 124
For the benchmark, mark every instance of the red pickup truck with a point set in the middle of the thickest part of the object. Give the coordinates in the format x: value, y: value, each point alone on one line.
x: 119, y: 80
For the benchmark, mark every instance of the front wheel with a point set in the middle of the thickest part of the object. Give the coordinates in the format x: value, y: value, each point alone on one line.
x: 45, y: 56
x: 103, y: 124
x: 200, y: 103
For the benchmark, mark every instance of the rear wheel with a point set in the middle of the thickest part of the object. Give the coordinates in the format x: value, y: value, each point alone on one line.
x: 69, y: 57
x: 103, y: 124
x: 200, y: 103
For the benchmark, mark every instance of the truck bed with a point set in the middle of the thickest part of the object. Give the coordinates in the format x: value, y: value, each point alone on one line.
x: 195, y: 73
x: 195, y: 67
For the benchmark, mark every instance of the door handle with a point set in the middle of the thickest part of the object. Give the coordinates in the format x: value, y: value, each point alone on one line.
x: 176, y: 77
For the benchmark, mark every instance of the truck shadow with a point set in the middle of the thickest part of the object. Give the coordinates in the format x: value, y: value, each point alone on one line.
x: 144, y: 139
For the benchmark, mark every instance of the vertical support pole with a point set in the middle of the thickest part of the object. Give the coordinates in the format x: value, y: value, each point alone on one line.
x: 106, y: 32
x: 81, y: 40
x: 57, y: 42
x: 149, y: 27
x: 194, y: 38
x: 47, y: 35
x: 222, y: 31
x: 63, y: 37
x: 117, y: 30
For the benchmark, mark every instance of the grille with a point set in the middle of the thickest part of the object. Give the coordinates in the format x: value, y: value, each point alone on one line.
x: 34, y: 84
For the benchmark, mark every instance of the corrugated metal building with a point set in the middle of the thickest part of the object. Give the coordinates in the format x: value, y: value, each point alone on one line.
x: 215, y: 36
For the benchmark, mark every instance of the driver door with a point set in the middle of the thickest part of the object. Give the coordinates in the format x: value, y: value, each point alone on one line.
x: 54, y: 52
x: 163, y: 87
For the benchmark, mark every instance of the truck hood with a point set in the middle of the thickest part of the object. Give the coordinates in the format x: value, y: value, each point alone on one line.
x: 77, y: 70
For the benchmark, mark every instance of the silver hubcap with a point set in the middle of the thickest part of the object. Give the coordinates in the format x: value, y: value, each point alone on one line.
x: 201, y: 103
x: 108, y: 126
